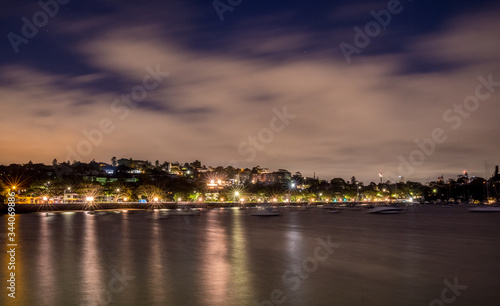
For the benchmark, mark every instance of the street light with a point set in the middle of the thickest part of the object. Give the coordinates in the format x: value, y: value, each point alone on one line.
x: 64, y: 196
x: 292, y: 186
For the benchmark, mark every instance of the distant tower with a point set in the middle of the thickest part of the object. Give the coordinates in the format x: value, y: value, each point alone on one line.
x: 381, y: 176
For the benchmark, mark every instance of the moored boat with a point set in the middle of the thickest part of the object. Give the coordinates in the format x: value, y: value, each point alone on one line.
x: 188, y: 212
x: 332, y: 211
x: 386, y: 210
x: 266, y: 212
x: 485, y: 209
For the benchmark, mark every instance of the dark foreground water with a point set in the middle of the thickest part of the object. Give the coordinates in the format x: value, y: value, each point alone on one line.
x: 232, y: 258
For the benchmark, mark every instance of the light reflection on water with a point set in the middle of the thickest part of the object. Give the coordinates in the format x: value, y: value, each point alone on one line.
x: 215, y: 265
x: 232, y: 258
x: 241, y: 284
x: 157, y: 270
x: 92, y: 282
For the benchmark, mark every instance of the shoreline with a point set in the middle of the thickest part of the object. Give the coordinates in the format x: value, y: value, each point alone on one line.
x: 33, y: 208
x: 30, y: 208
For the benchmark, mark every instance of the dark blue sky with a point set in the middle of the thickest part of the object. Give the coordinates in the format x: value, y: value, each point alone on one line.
x: 200, y: 29
x: 227, y: 80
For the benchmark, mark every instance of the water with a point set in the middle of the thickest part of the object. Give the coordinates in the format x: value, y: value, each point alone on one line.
x: 233, y: 258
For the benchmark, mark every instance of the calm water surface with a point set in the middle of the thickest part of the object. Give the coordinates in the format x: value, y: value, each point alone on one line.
x: 232, y: 258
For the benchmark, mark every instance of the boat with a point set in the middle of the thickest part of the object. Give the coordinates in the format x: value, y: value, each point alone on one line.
x: 485, y: 209
x: 350, y: 207
x: 51, y: 214
x: 188, y: 212
x: 332, y: 211
x: 266, y: 212
x: 222, y: 209
x: 96, y: 212
x: 201, y: 209
x: 386, y: 210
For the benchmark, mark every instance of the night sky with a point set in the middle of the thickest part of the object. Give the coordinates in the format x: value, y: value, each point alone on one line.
x: 302, y: 79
